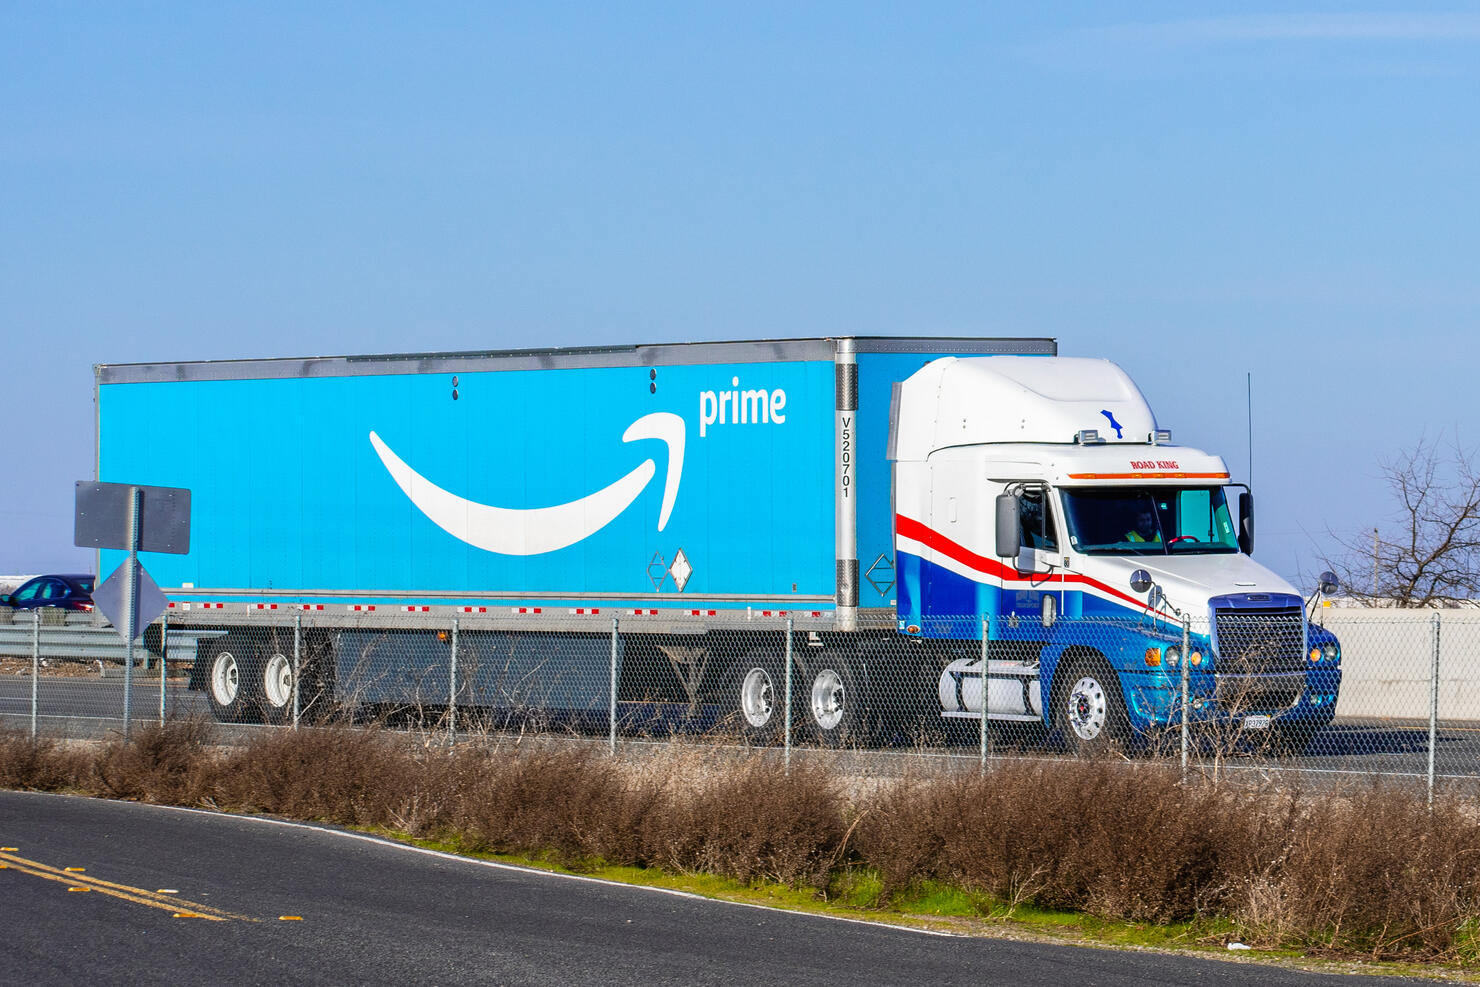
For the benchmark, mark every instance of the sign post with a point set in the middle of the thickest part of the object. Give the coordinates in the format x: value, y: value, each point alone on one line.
x: 137, y: 519
x: 135, y: 510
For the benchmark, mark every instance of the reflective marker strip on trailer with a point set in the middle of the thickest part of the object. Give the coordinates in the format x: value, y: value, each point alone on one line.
x: 475, y: 610
x: 266, y: 606
x: 310, y: 606
x: 644, y: 613
x: 527, y: 610
x: 586, y: 610
x: 362, y: 608
x: 411, y: 609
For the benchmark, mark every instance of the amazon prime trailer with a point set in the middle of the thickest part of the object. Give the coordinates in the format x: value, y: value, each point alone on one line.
x: 700, y: 494
x: 668, y: 535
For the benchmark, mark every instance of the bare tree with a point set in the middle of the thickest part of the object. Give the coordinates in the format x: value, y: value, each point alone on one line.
x: 1429, y: 553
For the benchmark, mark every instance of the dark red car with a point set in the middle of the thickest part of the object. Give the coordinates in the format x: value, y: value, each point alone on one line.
x: 65, y: 592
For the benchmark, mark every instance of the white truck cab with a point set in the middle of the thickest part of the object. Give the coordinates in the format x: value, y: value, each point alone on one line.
x: 1037, y: 500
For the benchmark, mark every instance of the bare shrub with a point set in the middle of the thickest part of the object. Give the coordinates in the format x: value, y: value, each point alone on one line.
x: 165, y: 763
x: 40, y: 764
x: 1118, y: 840
x: 340, y: 775
x: 1372, y: 872
x: 754, y: 821
x: 573, y: 803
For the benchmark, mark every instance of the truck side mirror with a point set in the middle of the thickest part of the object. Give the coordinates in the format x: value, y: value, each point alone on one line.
x: 1246, y: 522
x: 1329, y: 583
x: 1009, y: 527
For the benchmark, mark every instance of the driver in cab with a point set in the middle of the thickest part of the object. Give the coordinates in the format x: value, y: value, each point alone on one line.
x: 1145, y: 528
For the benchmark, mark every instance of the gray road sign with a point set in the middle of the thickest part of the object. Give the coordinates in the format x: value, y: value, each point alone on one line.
x: 111, y: 595
x: 102, y: 517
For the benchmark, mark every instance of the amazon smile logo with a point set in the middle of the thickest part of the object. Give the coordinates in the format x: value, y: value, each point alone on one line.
x: 536, y: 530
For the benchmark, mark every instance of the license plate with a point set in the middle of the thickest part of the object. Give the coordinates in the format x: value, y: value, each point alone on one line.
x: 1256, y: 722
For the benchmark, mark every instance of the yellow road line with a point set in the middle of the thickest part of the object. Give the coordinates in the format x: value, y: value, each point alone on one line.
x: 124, y: 892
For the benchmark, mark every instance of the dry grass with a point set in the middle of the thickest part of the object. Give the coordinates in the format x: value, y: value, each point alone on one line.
x: 1369, y: 871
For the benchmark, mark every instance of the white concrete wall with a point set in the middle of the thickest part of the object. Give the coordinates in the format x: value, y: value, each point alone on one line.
x: 1387, y: 659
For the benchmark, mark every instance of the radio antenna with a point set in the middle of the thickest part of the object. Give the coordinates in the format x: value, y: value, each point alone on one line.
x: 1249, y: 406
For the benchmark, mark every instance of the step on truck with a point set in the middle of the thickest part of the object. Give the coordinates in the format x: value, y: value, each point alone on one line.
x: 572, y: 531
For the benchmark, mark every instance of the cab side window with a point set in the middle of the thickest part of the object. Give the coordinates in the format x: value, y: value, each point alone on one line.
x: 1035, y: 512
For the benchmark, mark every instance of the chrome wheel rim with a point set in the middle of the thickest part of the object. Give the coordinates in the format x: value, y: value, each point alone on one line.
x: 757, y: 697
x: 1088, y: 708
x: 828, y: 699
x: 225, y: 679
x: 277, y: 681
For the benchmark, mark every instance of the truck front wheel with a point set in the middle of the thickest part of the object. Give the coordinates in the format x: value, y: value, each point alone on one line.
x: 1089, y: 710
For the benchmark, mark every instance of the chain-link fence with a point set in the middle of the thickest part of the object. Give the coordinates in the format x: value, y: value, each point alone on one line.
x: 1371, y: 691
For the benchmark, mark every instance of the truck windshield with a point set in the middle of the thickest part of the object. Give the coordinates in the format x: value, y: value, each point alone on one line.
x: 1149, y: 520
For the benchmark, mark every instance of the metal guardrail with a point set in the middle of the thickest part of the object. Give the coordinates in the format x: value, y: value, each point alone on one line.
x: 85, y: 642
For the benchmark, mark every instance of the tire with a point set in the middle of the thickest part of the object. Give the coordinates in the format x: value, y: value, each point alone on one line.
x: 835, y: 702
x: 1089, y: 713
x: 227, y: 683
x: 273, y: 673
x: 757, y: 690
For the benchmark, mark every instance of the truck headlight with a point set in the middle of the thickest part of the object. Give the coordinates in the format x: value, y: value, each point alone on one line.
x: 1174, y: 656
x: 1330, y: 651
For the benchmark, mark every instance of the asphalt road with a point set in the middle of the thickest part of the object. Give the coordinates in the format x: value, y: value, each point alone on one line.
x: 178, y: 897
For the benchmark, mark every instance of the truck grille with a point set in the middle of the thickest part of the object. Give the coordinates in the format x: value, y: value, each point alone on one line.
x: 1260, y: 642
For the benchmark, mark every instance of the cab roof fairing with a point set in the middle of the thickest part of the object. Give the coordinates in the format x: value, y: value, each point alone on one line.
x: 992, y: 400
x: 1110, y: 464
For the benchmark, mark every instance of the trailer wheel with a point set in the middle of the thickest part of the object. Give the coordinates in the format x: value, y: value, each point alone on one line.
x: 275, y: 674
x: 835, y: 702
x: 758, y: 688
x: 226, y: 685
x: 1089, y: 710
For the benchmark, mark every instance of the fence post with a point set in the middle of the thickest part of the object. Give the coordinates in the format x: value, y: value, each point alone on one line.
x: 1433, y: 708
x: 35, y: 664
x: 164, y: 668
x: 1186, y: 688
x: 611, y: 716
x: 452, y: 688
x: 985, y: 741
x: 297, y: 667
x: 786, y: 729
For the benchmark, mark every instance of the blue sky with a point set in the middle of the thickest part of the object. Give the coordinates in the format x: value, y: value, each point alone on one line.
x: 1197, y: 191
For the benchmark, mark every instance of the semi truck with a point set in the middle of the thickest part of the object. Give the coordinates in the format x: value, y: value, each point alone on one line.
x: 946, y: 527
